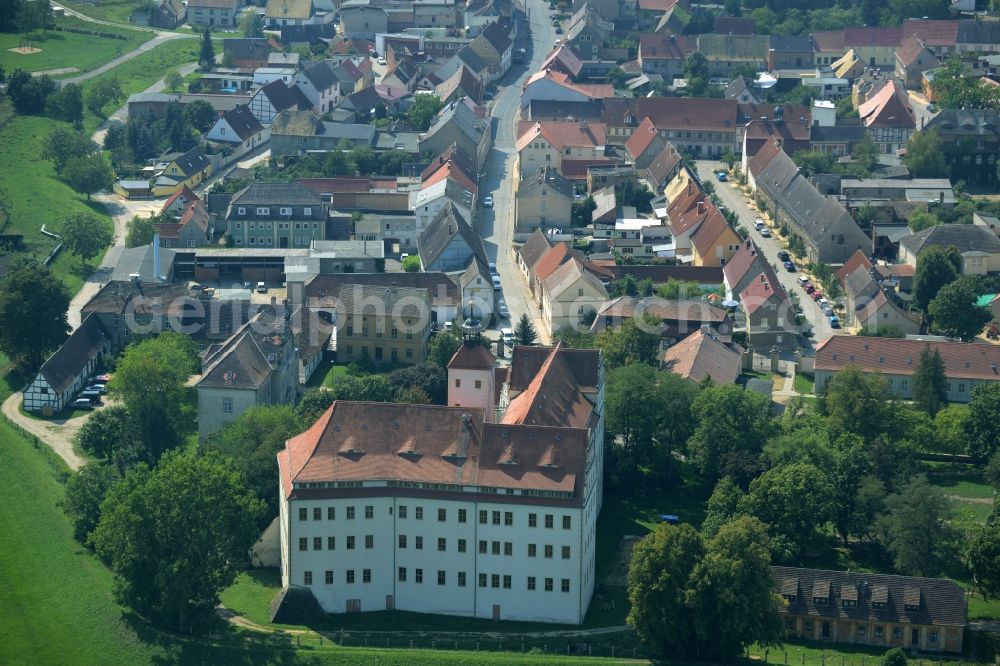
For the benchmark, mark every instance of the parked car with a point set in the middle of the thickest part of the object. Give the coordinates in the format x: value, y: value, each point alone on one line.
x: 82, y: 403
x: 783, y: 255
x: 834, y: 322
x: 809, y: 288
x: 381, y: 60
x: 488, y: 201
x: 493, y: 268
x: 559, y: 30
x: 789, y: 266
x: 99, y: 387
x: 765, y: 232
x: 817, y: 295
x: 803, y: 280
x: 507, y: 335
x: 101, y: 379
x: 502, y: 309
x: 758, y: 223
x: 261, y: 288
x: 822, y: 302
x: 827, y: 310
x: 496, y: 282
x: 721, y: 175
x: 93, y: 396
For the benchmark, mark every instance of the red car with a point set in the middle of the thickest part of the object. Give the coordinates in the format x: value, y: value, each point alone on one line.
x: 817, y: 295
x: 809, y: 288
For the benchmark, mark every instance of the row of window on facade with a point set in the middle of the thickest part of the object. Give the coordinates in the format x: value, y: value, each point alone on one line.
x: 878, y: 631
x: 485, y: 517
x: 485, y: 580
x: 402, y: 541
x: 266, y: 210
x: 282, y: 226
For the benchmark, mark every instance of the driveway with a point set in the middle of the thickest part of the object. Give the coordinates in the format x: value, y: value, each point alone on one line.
x: 496, y: 225
x: 57, y: 433
x: 733, y: 199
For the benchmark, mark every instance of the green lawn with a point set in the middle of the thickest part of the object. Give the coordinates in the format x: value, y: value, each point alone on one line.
x: 804, y: 385
x: 116, y: 11
x: 326, y: 374
x: 60, y: 48
x: 35, y: 197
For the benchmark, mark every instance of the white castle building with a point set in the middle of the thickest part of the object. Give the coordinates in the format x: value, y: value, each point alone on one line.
x: 484, y: 508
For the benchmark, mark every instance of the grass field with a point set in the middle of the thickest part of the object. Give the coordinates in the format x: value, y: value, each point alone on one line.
x: 35, y: 197
x: 60, y: 48
x: 116, y: 11
x: 804, y: 385
x: 326, y: 374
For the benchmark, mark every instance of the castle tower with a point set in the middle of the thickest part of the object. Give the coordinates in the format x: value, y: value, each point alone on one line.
x: 470, y: 371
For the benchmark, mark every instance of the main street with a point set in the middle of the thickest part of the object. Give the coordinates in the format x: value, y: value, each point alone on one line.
x: 496, y: 224
x: 733, y: 199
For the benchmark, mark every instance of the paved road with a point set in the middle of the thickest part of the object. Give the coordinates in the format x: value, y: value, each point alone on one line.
x: 500, y: 179
x: 733, y: 199
x: 146, y: 47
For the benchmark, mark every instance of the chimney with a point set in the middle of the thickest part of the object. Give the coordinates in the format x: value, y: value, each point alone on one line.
x: 156, y: 255
x: 941, y: 197
x: 701, y: 206
x: 463, y: 437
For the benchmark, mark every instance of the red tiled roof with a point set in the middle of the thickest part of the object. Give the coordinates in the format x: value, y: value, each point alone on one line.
x: 759, y: 292
x: 872, y: 36
x: 734, y: 25
x: 705, y: 237
x: 577, y: 169
x: 829, y: 41
x: 185, y: 193
x: 673, y: 113
x: 336, y: 185
x: 763, y: 156
x: 889, y: 107
x: 641, y: 138
x: 792, y: 127
x: 932, y: 32
x: 561, y: 134
x: 741, y: 261
x: 909, y: 50
x: 168, y: 229
x: 553, y: 258
x: 564, y: 58
x: 552, y: 398
x: 965, y: 360
x: 699, y: 356
x: 451, y: 171
x: 857, y: 259
x: 657, y: 5
x: 660, y: 47
x: 472, y: 357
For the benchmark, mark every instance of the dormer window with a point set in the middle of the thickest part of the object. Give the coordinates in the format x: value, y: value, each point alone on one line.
x: 820, y: 601
x: 850, y: 603
x: 878, y: 605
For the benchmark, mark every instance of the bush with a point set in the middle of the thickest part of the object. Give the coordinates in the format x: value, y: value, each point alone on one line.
x: 894, y: 657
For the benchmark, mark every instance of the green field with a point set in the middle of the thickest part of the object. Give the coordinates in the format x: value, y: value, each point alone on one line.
x: 804, y: 385
x: 60, y: 48
x: 116, y: 11
x: 34, y: 195
x: 325, y: 374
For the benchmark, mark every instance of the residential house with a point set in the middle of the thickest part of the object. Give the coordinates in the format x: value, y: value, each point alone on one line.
x: 875, y: 46
x: 276, y: 215
x: 884, y: 312
x: 678, y: 319
x: 571, y: 296
x: 542, y: 144
x: 540, y: 440
x: 966, y: 364
x: 605, y: 212
x: 704, y: 127
x: 184, y: 170
x: 734, y: 25
x: 321, y: 293
x: 168, y: 14
x: 193, y: 229
x: 837, y: 140
x: 301, y: 132
x: 552, y: 85
x: 743, y: 91
x: 544, y: 199
x: 178, y: 202
x: 662, y: 168
x: 744, y: 267
x: 976, y: 36
x: 67, y: 370
x: 688, y: 207
x: 280, y: 13
x: 788, y: 124
x: 856, y: 260
x: 770, y: 316
x: 990, y: 222
x: 349, y: 77
x: 829, y: 88
x: 848, y: 67
x: 494, y: 46
x: 384, y: 324
x: 464, y: 57
x: 464, y: 125
x: 830, y: 48
x: 704, y: 356
x: 532, y: 250
x: 312, y: 339
x: 979, y: 247
x: 563, y: 59
x: 714, y: 242
x: 674, y: 21
x: 724, y: 53
x: 462, y: 84
x: 476, y: 284
x: 644, y: 144
x: 403, y: 75
x: 587, y: 32
x: 888, y: 117
x: 828, y: 231
x: 378, y: 96
x: 257, y: 365
x: 913, y: 58
x: 794, y: 52
x: 398, y: 232
x: 448, y: 192
x: 551, y: 259
x: 865, y: 87
x: 662, y: 54
x: 214, y: 13
x: 239, y: 127
x: 275, y: 97
x: 448, y: 243
x: 971, y: 142
x: 918, y: 614
x: 319, y: 85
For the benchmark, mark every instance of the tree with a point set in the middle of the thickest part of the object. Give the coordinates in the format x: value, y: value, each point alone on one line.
x: 33, y: 305
x: 925, y: 154
x: 921, y: 219
x: 140, y: 231
x: 811, y: 162
x: 8, y: 15
x: 65, y: 143
x: 894, y: 657
x: 251, y: 443
x: 200, y: 115
x: 85, y: 235
x: 581, y: 212
x: 173, y: 80
x: 930, y: 385
x: 411, y: 264
x: 174, y: 536
x: 630, y: 343
x: 206, y: 57
x: 954, y: 311
x: 67, y: 104
x: 88, y: 174
x: 981, y: 425
x: 423, y: 110
x: 865, y: 154
x: 644, y: 406
x: 857, y: 403
x: 29, y: 93
x: 36, y: 15
x: 949, y: 429
x: 725, y: 621
x: 150, y: 380
x: 251, y: 23
x: 795, y: 504
x: 914, y: 529
x: 85, y: 491
x: 442, y: 347
x: 366, y: 388
x: 524, y: 331
x: 935, y: 269
x: 983, y: 559
x: 313, y: 404
x: 105, y: 430
x: 955, y: 88
x: 102, y: 92
x: 696, y: 73
x: 429, y: 379
x: 658, y: 577
x: 731, y: 422
x: 723, y: 506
